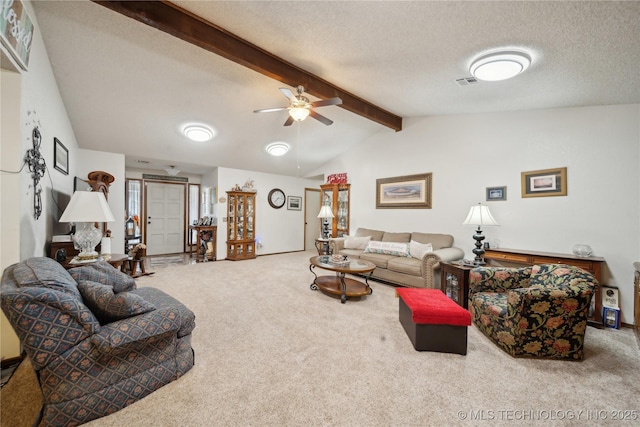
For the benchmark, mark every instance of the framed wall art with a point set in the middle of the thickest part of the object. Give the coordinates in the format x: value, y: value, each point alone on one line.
x: 294, y: 203
x: 544, y: 183
x: 496, y: 193
x: 410, y: 191
x: 60, y: 156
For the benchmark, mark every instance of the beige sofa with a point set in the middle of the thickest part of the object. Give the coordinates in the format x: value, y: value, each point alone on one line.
x: 401, y: 270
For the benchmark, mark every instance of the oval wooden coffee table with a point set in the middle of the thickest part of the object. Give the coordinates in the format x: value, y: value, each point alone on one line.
x: 338, y: 284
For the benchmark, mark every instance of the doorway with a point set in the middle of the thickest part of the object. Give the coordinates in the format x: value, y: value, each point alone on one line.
x: 311, y: 221
x: 165, y: 217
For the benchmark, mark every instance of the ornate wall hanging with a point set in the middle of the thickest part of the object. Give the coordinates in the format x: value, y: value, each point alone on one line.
x: 37, y: 167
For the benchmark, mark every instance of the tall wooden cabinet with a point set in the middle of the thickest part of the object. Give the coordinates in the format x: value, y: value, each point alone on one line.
x: 241, y: 222
x: 337, y: 196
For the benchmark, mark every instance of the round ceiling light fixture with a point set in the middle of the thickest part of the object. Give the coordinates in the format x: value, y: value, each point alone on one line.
x: 500, y: 65
x: 197, y: 132
x: 277, y: 148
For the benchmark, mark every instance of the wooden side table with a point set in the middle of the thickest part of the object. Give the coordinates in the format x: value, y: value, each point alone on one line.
x: 322, y: 245
x: 213, y: 230
x: 455, y: 282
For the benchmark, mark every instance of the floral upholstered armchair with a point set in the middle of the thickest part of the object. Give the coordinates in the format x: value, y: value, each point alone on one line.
x: 96, y: 342
x: 539, y: 311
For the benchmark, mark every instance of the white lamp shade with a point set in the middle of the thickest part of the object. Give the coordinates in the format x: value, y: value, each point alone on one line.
x: 325, y: 212
x: 479, y: 215
x: 87, y: 206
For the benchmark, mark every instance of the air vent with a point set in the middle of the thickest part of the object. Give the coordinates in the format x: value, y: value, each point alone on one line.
x: 467, y: 81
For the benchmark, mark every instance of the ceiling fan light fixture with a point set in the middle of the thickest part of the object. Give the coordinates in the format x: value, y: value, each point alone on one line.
x: 277, y: 148
x: 299, y: 113
x: 198, y: 133
x: 500, y: 65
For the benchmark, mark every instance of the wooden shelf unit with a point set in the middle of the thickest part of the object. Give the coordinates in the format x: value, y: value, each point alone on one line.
x: 241, y: 222
x: 338, y: 197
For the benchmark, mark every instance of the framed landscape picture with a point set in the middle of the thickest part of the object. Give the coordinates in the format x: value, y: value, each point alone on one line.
x: 60, y: 156
x: 496, y: 193
x: 294, y: 203
x: 544, y: 183
x: 410, y: 191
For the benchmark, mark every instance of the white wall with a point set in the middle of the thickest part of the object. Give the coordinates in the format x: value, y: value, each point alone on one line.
x: 277, y: 230
x: 600, y: 146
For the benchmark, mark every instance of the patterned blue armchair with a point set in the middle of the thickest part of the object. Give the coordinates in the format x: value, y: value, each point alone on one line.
x: 96, y: 342
x: 538, y: 311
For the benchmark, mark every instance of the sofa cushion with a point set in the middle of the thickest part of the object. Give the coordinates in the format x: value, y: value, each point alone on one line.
x: 109, y: 306
x: 105, y: 273
x: 405, y: 265
x: 396, y: 237
x: 438, y: 241
x: 375, y: 234
x: 419, y: 250
x: 388, y: 248
x: 380, y: 260
x: 45, y: 273
x: 356, y: 242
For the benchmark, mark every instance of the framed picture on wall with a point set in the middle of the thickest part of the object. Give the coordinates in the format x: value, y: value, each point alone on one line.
x: 294, y: 203
x: 544, y: 183
x: 496, y: 193
x: 410, y: 191
x: 60, y: 156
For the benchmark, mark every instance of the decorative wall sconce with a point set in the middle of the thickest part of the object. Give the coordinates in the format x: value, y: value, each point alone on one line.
x: 37, y: 167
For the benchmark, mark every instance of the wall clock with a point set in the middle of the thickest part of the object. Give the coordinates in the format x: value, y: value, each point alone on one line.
x: 276, y: 198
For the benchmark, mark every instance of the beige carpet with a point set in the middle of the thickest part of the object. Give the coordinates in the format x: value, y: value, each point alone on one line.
x: 271, y: 352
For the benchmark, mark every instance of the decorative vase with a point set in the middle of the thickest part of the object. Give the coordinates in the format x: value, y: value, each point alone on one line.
x: 582, y: 251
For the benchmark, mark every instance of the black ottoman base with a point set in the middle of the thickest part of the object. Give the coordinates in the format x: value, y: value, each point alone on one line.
x: 440, y: 338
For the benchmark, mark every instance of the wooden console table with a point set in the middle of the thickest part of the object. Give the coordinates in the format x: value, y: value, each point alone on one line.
x: 593, y: 265
x: 213, y: 229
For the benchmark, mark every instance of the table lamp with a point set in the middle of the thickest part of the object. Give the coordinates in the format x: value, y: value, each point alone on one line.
x: 325, y: 214
x: 87, y: 207
x: 479, y: 215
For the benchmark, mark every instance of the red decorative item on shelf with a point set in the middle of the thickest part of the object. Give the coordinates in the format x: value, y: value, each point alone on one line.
x: 337, y: 178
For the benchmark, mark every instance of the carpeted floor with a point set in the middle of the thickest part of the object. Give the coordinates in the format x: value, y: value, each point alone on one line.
x: 271, y: 352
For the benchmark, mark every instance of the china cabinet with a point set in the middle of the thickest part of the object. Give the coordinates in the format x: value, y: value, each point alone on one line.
x: 241, y: 220
x: 337, y: 196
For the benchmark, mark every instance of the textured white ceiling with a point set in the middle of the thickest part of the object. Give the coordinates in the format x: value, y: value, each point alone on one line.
x: 128, y: 87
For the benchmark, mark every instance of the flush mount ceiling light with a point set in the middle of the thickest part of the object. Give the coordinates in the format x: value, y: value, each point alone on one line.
x: 198, y: 133
x: 172, y: 170
x: 502, y: 65
x: 277, y: 148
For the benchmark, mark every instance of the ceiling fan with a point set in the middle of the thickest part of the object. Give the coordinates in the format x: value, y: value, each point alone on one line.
x: 300, y: 107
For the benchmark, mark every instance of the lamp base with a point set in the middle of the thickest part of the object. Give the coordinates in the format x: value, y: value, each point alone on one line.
x: 479, y: 251
x: 86, y: 239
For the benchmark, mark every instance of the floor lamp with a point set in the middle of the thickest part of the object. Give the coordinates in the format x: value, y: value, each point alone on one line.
x: 479, y: 215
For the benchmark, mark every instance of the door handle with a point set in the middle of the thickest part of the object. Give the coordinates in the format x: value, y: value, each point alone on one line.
x: 148, y: 220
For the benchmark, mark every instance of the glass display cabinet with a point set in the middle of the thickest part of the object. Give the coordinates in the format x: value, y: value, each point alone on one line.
x: 241, y: 219
x: 337, y: 196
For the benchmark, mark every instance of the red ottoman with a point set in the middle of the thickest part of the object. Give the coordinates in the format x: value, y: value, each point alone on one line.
x: 432, y: 321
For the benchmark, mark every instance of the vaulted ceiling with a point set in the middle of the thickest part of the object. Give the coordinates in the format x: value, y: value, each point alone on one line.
x: 129, y: 87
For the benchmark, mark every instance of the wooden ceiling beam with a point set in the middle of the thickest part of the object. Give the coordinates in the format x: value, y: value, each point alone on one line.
x: 184, y: 25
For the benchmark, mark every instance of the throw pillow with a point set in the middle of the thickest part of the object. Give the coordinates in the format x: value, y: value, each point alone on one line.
x: 356, y: 242
x: 419, y: 250
x: 105, y: 273
x: 388, y: 248
x: 108, y: 306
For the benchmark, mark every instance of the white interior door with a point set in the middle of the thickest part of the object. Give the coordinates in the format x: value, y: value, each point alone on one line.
x: 311, y: 221
x: 165, y: 218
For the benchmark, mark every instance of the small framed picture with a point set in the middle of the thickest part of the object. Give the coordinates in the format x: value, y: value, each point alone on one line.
x: 294, y: 203
x: 61, y: 156
x: 544, y: 183
x: 496, y: 193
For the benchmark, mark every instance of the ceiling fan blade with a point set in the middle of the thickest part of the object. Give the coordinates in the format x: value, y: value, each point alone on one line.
x: 268, y: 110
x: 320, y: 118
x: 289, y: 121
x: 325, y: 102
x: 287, y: 92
